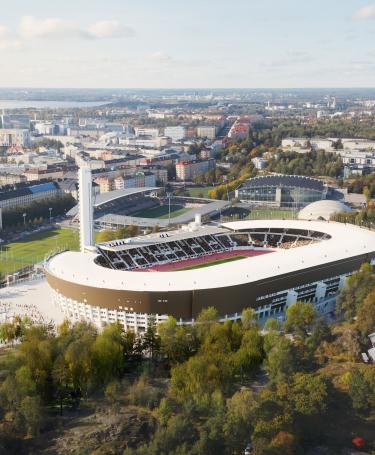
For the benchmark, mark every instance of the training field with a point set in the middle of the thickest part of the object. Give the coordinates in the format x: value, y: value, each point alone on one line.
x: 199, y: 190
x: 35, y: 248
x: 206, y: 261
x: 270, y: 214
x: 161, y: 211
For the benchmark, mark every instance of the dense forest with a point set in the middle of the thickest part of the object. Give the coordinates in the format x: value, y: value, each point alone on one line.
x: 311, y: 164
x: 298, y: 387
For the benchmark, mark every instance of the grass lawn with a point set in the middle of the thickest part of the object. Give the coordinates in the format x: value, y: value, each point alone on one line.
x: 161, y: 211
x: 267, y: 214
x: 193, y: 192
x: 208, y: 264
x: 34, y: 248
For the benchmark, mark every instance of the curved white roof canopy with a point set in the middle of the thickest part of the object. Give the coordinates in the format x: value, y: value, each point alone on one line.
x: 80, y: 267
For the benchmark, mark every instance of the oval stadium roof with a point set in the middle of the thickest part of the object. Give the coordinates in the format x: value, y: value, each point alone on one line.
x: 322, y: 210
x: 286, y: 181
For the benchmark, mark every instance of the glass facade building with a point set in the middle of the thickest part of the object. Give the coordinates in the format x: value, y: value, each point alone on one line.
x: 289, y: 191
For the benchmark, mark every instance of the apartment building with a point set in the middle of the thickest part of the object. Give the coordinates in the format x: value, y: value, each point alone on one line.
x: 138, y: 180
x: 39, y: 174
x: 176, y: 133
x: 208, y: 132
x: 142, y: 131
x: 187, y: 170
x: 10, y: 136
x: 25, y: 195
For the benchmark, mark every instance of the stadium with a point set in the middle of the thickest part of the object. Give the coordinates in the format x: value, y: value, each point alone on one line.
x: 263, y: 264
x: 144, y: 208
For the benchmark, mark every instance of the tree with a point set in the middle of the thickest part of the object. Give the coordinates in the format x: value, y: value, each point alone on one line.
x: 356, y: 288
x: 281, y: 361
x: 366, y: 315
x: 310, y: 394
x: 205, y: 319
x: 31, y: 411
x: 178, y: 342
x: 248, y: 318
x: 359, y: 390
x: 238, y: 420
x: 151, y: 340
x: 132, y: 230
x: 105, y: 236
x: 299, y: 318
x: 108, y: 354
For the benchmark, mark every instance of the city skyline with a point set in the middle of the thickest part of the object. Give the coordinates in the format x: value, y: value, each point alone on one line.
x: 201, y: 44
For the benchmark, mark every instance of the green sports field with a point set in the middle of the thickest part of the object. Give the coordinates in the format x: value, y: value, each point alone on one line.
x: 195, y: 192
x: 161, y: 211
x: 269, y: 214
x: 35, y: 248
x: 209, y: 264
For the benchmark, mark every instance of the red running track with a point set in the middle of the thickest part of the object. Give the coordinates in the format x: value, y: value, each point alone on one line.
x: 203, y: 259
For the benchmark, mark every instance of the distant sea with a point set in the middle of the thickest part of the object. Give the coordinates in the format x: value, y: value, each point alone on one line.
x: 27, y: 104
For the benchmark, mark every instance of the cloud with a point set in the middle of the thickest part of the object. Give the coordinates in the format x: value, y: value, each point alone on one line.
x: 366, y: 12
x: 10, y: 44
x: 109, y: 29
x: 53, y: 27
x: 291, y: 58
x: 160, y: 56
x: 3, y: 31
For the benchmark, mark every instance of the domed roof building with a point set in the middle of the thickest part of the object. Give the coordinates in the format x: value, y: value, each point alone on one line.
x: 323, y: 210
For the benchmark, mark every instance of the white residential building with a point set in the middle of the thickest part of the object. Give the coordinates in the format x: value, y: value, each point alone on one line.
x: 207, y: 131
x: 176, y: 133
x: 141, y: 131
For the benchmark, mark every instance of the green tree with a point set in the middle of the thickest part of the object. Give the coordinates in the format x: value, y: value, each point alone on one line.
x: 108, y: 353
x: 30, y: 409
x: 299, y: 318
x: 281, y: 361
x: 356, y: 289
x: 366, y: 315
x: 360, y: 391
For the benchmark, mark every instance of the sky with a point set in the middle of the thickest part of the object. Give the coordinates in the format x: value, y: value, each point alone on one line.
x: 187, y: 43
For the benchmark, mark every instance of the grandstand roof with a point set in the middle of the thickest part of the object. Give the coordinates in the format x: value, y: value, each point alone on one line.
x: 125, y: 220
x: 104, y: 198
x: 80, y: 267
x: 284, y: 181
x: 161, y: 237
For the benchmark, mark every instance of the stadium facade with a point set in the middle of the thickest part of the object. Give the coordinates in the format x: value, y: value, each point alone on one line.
x: 288, y: 191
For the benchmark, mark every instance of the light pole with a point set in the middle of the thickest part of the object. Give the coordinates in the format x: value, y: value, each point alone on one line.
x: 169, y: 207
x: 24, y: 219
x: 50, y: 214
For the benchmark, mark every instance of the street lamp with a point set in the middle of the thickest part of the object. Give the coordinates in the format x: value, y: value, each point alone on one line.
x: 24, y: 219
x: 50, y: 214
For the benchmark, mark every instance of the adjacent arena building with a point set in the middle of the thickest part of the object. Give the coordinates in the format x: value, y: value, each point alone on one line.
x: 276, y: 190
